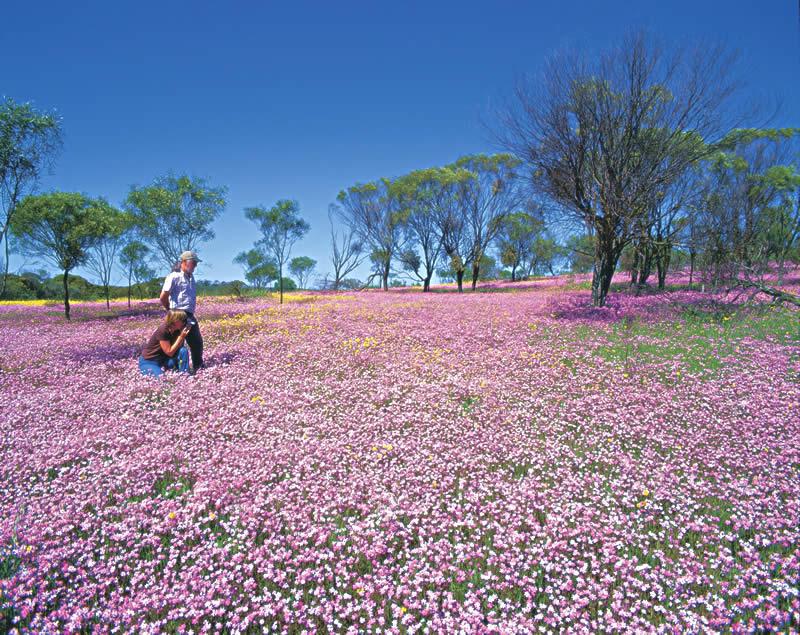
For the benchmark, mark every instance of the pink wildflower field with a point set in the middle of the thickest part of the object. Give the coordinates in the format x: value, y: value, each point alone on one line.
x: 507, y: 461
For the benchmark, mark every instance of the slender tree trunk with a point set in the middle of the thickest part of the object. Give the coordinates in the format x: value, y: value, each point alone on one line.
x: 5, y: 266
x: 108, y: 296
x: 66, y: 293
x: 426, y: 283
x: 691, y: 267
x: 662, y: 264
x: 460, y: 280
x: 514, y: 273
x: 280, y: 283
x: 475, y: 272
x: 385, y: 275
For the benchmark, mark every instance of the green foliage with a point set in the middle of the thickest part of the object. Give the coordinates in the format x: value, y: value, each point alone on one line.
x: 580, y: 253
x: 22, y: 288
x: 259, y: 270
x: 288, y: 285
x: 301, y: 268
x: 29, y: 140
x: 61, y: 227
x: 133, y: 260
x: 175, y: 214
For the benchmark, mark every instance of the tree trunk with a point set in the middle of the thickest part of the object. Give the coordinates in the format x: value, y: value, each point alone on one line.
x: 385, y: 276
x: 646, y: 266
x: 280, y: 282
x: 66, y: 293
x: 108, y: 297
x: 691, y: 267
x: 635, y: 266
x: 606, y: 254
x: 475, y: 272
x: 513, y: 273
x: 426, y: 283
x: 5, y: 267
x: 460, y: 280
x: 662, y: 264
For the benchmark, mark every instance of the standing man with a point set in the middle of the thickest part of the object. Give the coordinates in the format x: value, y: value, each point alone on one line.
x: 178, y: 293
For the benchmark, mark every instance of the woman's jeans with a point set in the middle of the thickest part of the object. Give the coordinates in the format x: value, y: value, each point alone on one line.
x: 179, y: 362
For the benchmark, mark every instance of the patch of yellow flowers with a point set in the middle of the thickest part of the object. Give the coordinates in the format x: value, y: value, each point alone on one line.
x: 357, y: 344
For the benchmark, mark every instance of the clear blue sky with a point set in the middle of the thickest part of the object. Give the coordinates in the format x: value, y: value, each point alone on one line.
x: 300, y: 101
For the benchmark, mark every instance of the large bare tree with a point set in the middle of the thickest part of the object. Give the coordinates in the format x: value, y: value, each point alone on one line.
x: 347, y: 250
x: 602, y: 136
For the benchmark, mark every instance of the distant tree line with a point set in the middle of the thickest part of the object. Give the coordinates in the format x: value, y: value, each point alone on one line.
x: 634, y: 158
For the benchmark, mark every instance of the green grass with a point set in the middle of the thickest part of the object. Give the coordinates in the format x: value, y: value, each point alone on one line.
x: 700, y: 340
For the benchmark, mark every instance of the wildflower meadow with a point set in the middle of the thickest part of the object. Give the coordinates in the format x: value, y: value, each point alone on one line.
x: 505, y: 461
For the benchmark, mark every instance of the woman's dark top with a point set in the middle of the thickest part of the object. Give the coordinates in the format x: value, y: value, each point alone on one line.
x: 152, y: 350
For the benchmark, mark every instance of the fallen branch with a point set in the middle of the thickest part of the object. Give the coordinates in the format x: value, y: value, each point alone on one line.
x: 777, y: 295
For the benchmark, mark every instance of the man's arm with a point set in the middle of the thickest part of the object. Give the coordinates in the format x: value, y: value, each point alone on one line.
x: 164, y: 299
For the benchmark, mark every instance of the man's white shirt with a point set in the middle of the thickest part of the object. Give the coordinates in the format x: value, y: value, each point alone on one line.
x: 182, y: 294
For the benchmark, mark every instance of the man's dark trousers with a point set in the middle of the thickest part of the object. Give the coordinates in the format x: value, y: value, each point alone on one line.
x: 195, y: 342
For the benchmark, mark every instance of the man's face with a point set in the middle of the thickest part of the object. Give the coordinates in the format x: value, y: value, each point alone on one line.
x: 187, y: 266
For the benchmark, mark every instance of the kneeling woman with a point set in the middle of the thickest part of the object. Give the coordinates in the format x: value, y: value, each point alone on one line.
x: 165, y: 350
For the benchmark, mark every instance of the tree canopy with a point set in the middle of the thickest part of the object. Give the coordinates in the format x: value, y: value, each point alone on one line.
x: 62, y: 227
x: 175, y: 213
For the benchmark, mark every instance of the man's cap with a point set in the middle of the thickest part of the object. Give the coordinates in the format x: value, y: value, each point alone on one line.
x: 189, y: 255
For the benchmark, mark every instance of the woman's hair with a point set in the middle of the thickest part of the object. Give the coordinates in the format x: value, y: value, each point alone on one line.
x: 174, y: 316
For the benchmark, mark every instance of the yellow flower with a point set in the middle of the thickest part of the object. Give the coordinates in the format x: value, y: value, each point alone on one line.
x: 172, y: 515
x: 387, y: 446
x: 646, y: 493
x: 28, y: 548
x: 212, y: 516
x: 360, y: 591
x: 435, y: 483
x: 641, y: 504
x: 403, y: 609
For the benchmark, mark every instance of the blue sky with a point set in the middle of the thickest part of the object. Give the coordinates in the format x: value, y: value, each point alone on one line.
x: 278, y: 100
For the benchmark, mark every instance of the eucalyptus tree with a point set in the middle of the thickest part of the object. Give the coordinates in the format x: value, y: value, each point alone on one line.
x: 133, y: 262
x: 347, y: 250
x: 301, y: 268
x: 259, y: 269
x: 29, y: 142
x: 545, y: 254
x: 61, y: 227
x: 516, y: 236
x: 783, y: 223
x: 102, y: 256
x: 373, y: 212
x: 447, y: 204
x: 281, y: 227
x: 487, y: 198
x: 416, y: 193
x: 174, y: 214
x: 657, y: 232
x: 748, y: 220
x: 601, y: 135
